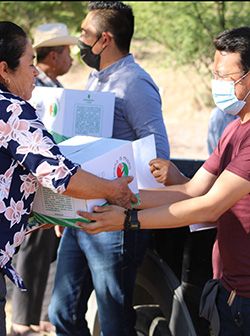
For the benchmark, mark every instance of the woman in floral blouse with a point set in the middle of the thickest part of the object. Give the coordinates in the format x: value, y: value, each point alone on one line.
x: 29, y: 156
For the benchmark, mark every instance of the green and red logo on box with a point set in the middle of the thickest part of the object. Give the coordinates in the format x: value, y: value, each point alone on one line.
x: 122, y: 167
x: 53, y: 109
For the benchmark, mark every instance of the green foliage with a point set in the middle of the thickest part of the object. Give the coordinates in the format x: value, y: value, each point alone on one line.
x: 29, y: 14
x: 187, y: 29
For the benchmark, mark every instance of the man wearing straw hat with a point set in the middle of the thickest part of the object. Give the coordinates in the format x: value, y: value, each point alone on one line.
x: 52, y: 44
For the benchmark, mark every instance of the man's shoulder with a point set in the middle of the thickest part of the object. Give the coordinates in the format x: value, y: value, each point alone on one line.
x: 128, y: 65
x: 137, y: 70
x: 135, y: 76
x: 220, y: 118
x: 217, y: 114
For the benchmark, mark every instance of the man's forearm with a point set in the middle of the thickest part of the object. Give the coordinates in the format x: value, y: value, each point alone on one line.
x: 178, y: 214
x: 161, y: 197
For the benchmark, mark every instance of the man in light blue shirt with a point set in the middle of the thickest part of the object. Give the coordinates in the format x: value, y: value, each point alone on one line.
x: 108, y: 262
x: 138, y: 109
x: 217, y: 123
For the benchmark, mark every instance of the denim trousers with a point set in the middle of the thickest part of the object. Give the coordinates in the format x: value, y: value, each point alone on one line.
x: 106, y: 262
x: 234, y: 319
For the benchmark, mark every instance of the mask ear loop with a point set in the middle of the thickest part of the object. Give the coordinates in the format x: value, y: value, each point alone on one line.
x: 247, y: 73
x: 96, y: 41
x: 240, y: 80
x: 95, y: 44
x: 246, y: 96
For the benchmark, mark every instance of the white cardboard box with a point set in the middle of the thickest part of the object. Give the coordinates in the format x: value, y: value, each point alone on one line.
x: 105, y: 157
x: 66, y: 113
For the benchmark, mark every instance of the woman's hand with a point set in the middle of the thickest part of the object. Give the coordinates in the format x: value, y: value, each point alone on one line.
x: 105, y: 218
x: 59, y: 230
x: 35, y: 228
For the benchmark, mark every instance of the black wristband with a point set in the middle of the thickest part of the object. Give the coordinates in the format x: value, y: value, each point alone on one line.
x: 131, y: 221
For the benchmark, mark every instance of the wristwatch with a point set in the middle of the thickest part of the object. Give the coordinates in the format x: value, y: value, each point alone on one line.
x: 131, y: 220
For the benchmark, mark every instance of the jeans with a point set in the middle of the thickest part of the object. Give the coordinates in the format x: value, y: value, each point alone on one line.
x: 106, y: 262
x: 234, y: 319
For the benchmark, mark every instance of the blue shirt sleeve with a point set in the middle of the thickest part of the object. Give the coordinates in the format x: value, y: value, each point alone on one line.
x: 217, y: 123
x: 144, y: 112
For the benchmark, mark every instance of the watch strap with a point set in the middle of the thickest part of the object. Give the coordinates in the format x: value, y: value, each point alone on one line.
x: 131, y: 221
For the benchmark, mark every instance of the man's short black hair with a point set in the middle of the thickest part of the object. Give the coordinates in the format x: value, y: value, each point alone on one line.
x: 115, y: 17
x: 42, y: 52
x: 236, y: 40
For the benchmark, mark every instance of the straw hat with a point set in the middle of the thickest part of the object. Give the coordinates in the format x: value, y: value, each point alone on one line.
x: 52, y: 35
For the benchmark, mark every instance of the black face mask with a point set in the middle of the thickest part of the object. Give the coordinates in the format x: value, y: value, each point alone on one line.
x: 88, y: 56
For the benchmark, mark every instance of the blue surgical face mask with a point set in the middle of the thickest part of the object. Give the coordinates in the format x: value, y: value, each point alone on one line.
x: 224, y: 96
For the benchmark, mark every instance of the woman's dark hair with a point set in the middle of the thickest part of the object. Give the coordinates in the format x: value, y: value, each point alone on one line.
x: 115, y: 17
x: 236, y: 40
x: 13, y: 41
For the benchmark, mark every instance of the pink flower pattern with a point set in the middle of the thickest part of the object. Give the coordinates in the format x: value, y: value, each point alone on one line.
x: 15, y: 108
x: 5, y: 182
x: 5, y: 132
x: 2, y: 207
x: 19, y: 237
x: 14, y: 212
x: 46, y: 173
x: 36, y: 143
x: 29, y: 186
x: 7, y: 254
x: 28, y: 156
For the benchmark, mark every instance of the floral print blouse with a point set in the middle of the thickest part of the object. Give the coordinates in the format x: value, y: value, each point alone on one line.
x: 29, y: 157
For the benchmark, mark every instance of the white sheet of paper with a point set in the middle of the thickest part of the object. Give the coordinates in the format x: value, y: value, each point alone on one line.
x: 200, y: 227
x: 144, y: 151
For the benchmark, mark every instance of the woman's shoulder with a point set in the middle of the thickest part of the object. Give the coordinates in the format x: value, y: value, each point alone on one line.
x: 11, y: 98
x: 12, y: 103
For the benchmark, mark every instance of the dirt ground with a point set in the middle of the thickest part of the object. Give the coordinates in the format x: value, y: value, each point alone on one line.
x: 185, y: 115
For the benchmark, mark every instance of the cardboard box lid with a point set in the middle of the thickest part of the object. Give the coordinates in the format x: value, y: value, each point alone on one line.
x: 91, y: 146
x: 68, y: 112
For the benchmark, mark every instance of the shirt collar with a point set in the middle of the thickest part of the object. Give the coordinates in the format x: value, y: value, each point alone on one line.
x: 46, y: 80
x: 102, y: 74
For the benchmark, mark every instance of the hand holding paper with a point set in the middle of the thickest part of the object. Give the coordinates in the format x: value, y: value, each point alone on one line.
x: 159, y: 169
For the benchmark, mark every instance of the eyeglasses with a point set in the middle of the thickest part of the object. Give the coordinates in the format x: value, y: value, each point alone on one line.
x: 228, y: 76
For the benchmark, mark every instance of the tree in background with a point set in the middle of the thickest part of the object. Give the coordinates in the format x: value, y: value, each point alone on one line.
x: 29, y: 14
x: 187, y: 29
